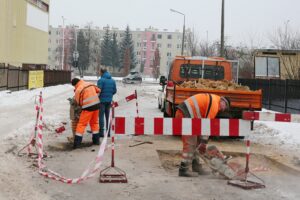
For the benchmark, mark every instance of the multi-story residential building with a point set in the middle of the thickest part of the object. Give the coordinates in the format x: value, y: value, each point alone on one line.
x: 24, y: 33
x: 145, y: 43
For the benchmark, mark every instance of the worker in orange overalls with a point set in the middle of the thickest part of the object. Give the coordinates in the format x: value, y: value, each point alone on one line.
x: 198, y: 106
x: 86, y: 96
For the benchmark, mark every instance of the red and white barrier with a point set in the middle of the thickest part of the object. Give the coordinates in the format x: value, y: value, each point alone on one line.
x: 185, y: 126
x: 268, y: 116
x: 125, y: 100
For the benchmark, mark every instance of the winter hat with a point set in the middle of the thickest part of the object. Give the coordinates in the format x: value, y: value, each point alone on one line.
x: 227, y: 101
x: 75, y: 81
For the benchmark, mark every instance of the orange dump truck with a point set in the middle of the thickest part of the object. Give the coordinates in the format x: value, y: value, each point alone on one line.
x: 214, y: 68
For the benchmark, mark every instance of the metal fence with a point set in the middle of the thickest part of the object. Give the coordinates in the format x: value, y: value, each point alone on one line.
x: 278, y: 95
x: 15, y: 78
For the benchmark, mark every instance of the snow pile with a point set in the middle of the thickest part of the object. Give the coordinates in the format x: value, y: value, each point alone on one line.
x: 276, y: 133
x: 8, y: 98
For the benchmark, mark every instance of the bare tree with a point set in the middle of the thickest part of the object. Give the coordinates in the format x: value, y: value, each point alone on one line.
x: 156, y: 64
x: 208, y: 49
x: 287, y: 39
x: 192, y: 44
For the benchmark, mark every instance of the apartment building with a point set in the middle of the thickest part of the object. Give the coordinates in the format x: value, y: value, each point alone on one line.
x: 145, y: 43
x: 24, y: 28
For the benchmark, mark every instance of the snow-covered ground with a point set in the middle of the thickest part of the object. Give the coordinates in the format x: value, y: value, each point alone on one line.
x: 17, y: 111
x: 20, y: 180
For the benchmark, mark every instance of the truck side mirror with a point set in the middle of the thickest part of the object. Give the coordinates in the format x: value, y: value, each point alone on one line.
x: 162, y: 80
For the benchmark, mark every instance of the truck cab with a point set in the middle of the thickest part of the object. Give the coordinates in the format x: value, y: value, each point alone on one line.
x: 193, y: 68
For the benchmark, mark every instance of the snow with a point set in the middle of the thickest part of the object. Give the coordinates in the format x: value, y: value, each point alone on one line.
x: 17, y: 112
x: 95, y: 78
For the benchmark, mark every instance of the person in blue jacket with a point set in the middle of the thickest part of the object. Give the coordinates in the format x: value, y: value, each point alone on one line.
x: 108, y: 88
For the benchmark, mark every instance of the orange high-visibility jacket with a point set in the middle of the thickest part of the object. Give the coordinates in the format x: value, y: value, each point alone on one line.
x: 86, y: 94
x: 201, y: 106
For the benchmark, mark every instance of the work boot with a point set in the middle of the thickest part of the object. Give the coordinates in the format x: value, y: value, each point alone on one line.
x: 101, y: 132
x: 185, y: 172
x: 197, y: 167
x: 77, y: 141
x: 96, y: 139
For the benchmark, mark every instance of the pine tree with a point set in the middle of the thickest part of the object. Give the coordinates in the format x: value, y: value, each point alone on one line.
x: 127, y: 43
x: 106, y: 53
x: 115, y: 52
x: 83, y: 50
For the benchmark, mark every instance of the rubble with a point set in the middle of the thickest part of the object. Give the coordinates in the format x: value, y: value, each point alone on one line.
x: 213, y: 85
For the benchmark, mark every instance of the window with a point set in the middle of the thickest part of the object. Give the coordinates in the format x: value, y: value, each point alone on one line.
x: 50, y: 32
x: 169, y: 54
x: 153, y: 46
x: 169, y: 45
x: 145, y: 44
x: 153, y: 38
x: 178, y: 46
x: 169, y: 36
x: 49, y: 49
x: 138, y: 53
x: 267, y: 67
x: 159, y: 36
x: 196, y: 71
x: 57, y: 33
x: 158, y: 45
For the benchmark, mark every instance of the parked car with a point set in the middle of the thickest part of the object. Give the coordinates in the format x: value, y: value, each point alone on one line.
x: 133, y: 77
x: 162, y: 93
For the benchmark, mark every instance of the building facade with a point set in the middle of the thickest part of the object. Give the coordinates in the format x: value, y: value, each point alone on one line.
x: 145, y: 43
x: 24, y: 28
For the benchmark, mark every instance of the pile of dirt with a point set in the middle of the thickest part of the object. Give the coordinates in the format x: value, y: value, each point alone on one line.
x: 213, y: 85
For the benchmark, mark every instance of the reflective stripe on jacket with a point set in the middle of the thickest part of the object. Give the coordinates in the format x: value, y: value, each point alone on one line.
x: 86, y: 94
x: 201, y: 106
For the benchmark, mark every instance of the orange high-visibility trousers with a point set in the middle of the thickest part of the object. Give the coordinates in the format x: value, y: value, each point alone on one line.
x: 189, y: 144
x: 88, y: 117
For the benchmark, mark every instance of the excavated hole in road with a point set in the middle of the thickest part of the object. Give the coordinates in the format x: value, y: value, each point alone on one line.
x: 170, y: 160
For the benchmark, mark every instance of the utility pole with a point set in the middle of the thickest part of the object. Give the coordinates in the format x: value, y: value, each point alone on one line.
x: 183, y: 32
x: 222, y: 30
x: 63, y: 44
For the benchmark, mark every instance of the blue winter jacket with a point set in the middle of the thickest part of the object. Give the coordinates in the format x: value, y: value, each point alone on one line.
x: 107, y: 86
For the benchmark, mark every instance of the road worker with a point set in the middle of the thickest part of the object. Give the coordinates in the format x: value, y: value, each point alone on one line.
x: 198, y: 106
x: 86, y: 96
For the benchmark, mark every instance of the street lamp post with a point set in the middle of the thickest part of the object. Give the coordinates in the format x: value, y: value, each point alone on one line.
x: 63, y: 44
x: 76, y: 55
x: 222, y: 52
x: 183, y: 32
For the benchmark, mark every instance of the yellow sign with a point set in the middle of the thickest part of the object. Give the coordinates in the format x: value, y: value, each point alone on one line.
x: 36, y: 79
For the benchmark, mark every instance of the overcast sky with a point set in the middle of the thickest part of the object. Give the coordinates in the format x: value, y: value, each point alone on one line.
x: 245, y: 20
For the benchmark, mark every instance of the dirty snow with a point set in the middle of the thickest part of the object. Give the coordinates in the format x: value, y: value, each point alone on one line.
x: 276, y: 133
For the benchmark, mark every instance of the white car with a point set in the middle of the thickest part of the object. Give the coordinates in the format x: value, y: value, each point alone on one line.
x: 161, y: 98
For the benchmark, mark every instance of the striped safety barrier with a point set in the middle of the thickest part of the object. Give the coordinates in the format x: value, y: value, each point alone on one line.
x: 268, y: 116
x: 184, y: 126
x: 125, y: 100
